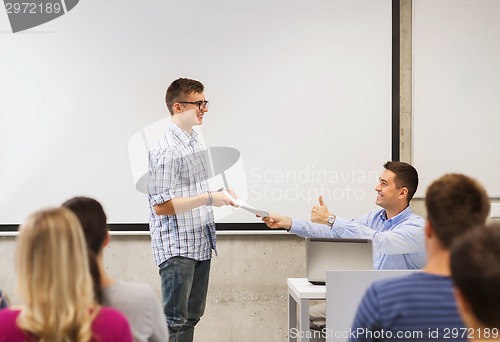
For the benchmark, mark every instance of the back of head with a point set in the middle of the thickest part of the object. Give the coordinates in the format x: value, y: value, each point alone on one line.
x: 475, y: 268
x: 405, y: 176
x: 93, y: 220
x: 53, y: 277
x: 455, y: 204
x: 180, y: 89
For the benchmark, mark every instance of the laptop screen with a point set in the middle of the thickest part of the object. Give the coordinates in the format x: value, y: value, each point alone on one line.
x: 325, y: 254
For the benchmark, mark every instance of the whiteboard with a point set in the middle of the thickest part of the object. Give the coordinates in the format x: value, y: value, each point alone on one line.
x: 300, y: 96
x: 456, y: 87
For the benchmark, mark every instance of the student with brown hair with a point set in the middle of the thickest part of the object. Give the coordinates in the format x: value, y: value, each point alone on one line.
x: 475, y: 269
x: 136, y: 301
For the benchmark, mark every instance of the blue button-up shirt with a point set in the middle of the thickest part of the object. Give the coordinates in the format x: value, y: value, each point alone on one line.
x: 178, y: 168
x: 398, y: 242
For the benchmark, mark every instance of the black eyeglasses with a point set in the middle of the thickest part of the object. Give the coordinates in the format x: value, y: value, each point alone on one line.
x: 201, y: 104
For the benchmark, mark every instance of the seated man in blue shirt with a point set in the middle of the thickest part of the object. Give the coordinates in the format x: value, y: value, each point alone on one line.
x: 397, y: 232
x: 421, y: 306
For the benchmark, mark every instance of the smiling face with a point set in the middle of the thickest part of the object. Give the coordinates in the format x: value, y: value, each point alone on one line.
x: 389, y: 196
x: 189, y: 111
x: 196, y: 110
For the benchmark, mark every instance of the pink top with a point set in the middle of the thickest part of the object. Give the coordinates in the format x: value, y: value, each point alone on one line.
x: 109, y: 326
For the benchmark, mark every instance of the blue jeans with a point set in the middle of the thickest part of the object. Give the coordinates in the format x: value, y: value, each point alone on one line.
x: 184, y: 285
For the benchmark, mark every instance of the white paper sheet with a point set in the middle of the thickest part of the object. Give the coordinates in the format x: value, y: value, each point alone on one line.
x: 246, y: 206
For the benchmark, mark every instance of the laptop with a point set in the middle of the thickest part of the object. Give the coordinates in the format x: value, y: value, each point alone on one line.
x: 325, y: 254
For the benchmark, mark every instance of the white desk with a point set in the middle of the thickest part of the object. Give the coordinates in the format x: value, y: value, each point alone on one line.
x: 300, y: 291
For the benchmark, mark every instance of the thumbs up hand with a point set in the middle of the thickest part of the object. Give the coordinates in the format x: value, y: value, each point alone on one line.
x: 320, y: 213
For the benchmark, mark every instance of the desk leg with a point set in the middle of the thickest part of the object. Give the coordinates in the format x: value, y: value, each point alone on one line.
x: 304, y: 320
x: 292, y: 318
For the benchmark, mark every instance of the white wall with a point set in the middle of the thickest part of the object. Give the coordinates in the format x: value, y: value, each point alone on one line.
x: 296, y: 90
x: 247, y: 295
x: 456, y: 82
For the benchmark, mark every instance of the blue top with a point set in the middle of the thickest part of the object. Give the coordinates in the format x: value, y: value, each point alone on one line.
x: 417, y: 307
x: 178, y: 168
x: 398, y: 242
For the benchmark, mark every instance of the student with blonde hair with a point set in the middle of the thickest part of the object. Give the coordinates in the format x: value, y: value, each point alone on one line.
x: 55, y: 283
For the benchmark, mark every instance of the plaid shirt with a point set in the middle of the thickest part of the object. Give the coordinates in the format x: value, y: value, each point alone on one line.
x: 178, y: 168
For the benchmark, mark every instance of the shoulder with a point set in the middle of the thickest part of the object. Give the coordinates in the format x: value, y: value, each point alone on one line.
x: 373, y: 215
x: 9, y: 312
x: 8, y: 316
x: 138, y: 303
x: 394, y: 286
x: 134, y: 286
x: 389, y: 284
x: 130, y: 298
x: 411, y: 216
x: 9, y: 331
x: 129, y: 290
x: 416, y: 286
x: 108, y: 316
x: 408, y: 219
x: 168, y: 148
x: 165, y: 145
x: 111, y: 325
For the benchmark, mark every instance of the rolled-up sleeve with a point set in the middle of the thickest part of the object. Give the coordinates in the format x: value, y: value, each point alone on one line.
x: 163, y: 177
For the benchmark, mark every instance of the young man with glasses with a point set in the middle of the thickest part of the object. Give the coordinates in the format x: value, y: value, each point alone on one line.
x: 181, y: 221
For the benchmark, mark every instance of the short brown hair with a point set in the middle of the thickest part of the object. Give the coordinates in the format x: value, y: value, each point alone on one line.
x: 455, y: 203
x: 406, y: 176
x: 179, y: 89
x: 475, y: 269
